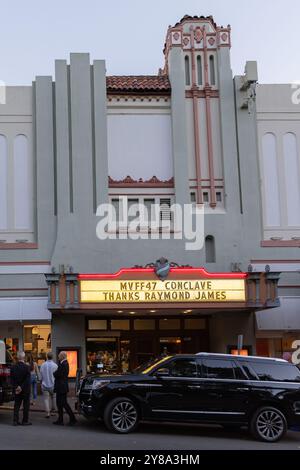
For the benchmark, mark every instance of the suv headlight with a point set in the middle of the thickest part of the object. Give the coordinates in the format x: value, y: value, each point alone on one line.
x: 97, y: 384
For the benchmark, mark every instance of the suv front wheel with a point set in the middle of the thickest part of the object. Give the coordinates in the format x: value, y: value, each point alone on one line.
x: 121, y: 415
x: 268, y: 424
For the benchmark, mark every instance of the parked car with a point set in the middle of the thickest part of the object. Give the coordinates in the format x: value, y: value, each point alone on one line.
x: 233, y: 391
x: 6, y: 361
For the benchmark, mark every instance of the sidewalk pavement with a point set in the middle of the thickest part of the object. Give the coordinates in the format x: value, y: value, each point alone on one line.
x: 39, y: 402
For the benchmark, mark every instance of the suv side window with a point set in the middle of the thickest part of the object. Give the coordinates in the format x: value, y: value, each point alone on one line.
x: 277, y: 372
x: 249, y: 371
x: 218, y: 369
x: 183, y: 368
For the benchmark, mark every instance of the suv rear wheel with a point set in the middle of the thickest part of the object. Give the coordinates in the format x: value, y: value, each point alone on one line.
x: 268, y: 424
x: 121, y: 415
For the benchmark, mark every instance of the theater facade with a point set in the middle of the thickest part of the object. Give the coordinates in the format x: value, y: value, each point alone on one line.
x: 190, y: 134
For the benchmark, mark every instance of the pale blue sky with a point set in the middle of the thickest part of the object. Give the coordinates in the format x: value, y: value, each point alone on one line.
x: 130, y: 34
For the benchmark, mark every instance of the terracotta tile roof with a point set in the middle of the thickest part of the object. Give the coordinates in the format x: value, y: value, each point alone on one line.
x: 191, y: 18
x: 138, y: 83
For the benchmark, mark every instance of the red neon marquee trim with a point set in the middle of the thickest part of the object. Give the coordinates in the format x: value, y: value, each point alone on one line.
x: 199, y: 271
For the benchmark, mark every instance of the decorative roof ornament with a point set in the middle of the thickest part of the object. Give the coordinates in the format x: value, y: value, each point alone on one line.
x: 198, y: 35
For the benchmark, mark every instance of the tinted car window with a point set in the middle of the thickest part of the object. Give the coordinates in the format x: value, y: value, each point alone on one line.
x: 218, y: 369
x: 278, y: 372
x: 249, y: 371
x: 183, y: 368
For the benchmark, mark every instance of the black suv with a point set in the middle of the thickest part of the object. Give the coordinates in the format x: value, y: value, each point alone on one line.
x: 233, y: 391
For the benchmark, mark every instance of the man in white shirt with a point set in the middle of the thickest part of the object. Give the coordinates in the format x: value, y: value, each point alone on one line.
x: 47, y: 370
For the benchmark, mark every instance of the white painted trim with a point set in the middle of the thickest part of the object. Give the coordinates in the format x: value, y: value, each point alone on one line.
x: 25, y: 269
x: 277, y: 267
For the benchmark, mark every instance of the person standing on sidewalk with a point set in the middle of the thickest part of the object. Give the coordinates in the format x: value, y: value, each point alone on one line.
x: 35, y: 376
x: 61, y: 388
x: 47, y: 378
x: 21, y: 381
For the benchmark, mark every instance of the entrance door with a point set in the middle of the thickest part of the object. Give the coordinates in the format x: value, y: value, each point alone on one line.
x: 170, y: 345
x: 102, y: 354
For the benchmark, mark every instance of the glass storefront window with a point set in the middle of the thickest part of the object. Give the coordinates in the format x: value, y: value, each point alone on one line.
x: 37, y: 342
x: 102, y: 355
x: 120, y: 324
x: 97, y: 325
x: 125, y: 356
x: 170, y: 346
x: 144, y: 324
x: 12, y: 345
x: 169, y: 324
x: 194, y: 324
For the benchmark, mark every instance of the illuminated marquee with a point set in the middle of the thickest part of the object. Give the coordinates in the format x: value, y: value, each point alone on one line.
x: 97, y: 289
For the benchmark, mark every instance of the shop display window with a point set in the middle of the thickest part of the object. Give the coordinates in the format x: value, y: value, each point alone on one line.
x: 120, y: 325
x: 12, y: 346
x: 194, y: 324
x: 144, y: 325
x: 97, y: 325
x: 169, y: 324
x: 37, y: 342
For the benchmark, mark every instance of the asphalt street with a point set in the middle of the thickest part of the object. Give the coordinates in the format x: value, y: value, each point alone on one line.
x: 87, y: 435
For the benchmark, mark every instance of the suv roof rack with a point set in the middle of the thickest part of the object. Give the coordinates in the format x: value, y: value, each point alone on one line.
x: 240, y: 356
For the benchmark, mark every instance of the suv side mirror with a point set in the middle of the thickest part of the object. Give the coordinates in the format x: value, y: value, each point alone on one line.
x: 162, y: 373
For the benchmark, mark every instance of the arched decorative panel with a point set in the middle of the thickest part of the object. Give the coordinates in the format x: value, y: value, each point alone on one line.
x: 187, y: 70
x: 270, y: 180
x: 3, y: 183
x: 23, y: 191
x: 292, y: 180
x: 199, y: 70
x: 212, y: 70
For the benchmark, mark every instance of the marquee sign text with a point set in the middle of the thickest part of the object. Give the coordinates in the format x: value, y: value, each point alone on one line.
x: 144, y: 291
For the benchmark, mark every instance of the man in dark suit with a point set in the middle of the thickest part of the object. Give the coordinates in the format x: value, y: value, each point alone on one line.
x: 61, y: 389
x: 20, y: 377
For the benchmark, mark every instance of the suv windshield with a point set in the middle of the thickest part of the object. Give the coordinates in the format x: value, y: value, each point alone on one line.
x: 148, y: 366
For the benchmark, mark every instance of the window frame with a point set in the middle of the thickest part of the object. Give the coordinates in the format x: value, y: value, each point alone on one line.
x: 168, y: 364
x: 159, y: 201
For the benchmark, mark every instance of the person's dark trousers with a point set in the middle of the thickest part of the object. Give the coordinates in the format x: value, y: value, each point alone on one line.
x: 25, y: 398
x: 62, y: 403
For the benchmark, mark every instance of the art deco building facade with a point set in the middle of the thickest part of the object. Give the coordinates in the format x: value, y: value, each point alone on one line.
x: 193, y: 133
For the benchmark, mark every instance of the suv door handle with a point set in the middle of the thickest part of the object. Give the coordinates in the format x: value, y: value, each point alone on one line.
x: 243, y: 389
x: 194, y: 387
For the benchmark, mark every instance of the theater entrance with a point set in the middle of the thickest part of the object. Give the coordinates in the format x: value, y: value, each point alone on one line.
x: 115, y: 345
